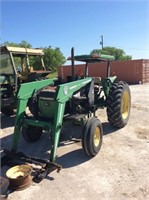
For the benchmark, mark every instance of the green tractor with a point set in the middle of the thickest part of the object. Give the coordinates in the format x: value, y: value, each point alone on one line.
x: 78, y: 100
x: 18, y: 65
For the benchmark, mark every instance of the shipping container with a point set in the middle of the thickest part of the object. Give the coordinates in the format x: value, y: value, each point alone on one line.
x: 145, y: 71
x: 131, y: 71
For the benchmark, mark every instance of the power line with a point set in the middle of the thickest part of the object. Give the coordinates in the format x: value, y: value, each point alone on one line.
x: 132, y: 48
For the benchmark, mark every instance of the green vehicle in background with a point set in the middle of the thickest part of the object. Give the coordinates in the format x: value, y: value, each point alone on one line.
x: 18, y: 65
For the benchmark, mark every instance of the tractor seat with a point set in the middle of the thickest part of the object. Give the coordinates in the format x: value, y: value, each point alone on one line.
x: 78, y: 96
x: 97, y: 80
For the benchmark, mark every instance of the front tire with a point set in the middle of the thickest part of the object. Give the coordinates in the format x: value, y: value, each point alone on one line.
x: 92, y: 136
x: 8, y: 111
x: 118, y: 104
x: 31, y: 133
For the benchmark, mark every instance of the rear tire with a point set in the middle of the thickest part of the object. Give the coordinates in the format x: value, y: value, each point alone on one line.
x: 8, y: 111
x: 92, y: 136
x: 31, y: 133
x: 118, y: 104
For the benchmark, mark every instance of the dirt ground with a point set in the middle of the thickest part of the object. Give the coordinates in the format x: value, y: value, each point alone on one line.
x: 119, y: 171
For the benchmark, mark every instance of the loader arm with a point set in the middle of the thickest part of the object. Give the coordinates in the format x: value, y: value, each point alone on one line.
x: 63, y: 93
x: 26, y: 90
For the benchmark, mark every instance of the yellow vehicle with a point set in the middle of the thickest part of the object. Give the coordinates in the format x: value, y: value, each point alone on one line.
x: 17, y: 65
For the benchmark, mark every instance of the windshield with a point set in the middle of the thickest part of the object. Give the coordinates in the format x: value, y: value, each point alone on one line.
x: 27, y: 64
x: 5, y: 64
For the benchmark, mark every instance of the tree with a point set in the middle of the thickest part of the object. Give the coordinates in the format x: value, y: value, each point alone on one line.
x: 119, y: 54
x: 53, y: 58
x: 23, y: 43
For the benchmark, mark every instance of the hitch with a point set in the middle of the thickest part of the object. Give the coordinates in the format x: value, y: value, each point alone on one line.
x: 43, y: 173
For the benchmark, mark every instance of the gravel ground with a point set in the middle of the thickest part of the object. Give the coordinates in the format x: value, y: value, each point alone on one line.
x: 119, y: 171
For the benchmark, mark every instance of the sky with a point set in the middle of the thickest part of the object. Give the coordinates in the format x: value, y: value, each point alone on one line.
x: 124, y: 24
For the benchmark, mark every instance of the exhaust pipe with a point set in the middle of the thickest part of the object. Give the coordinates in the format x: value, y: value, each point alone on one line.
x: 72, y: 63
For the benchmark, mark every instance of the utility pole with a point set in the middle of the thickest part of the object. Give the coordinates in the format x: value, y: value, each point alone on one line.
x: 101, y: 43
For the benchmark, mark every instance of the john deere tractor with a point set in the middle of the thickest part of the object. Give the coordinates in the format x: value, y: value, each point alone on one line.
x: 78, y: 100
x: 18, y: 65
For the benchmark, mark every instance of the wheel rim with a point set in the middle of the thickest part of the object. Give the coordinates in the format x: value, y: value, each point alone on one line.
x: 97, y: 136
x: 125, y: 105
